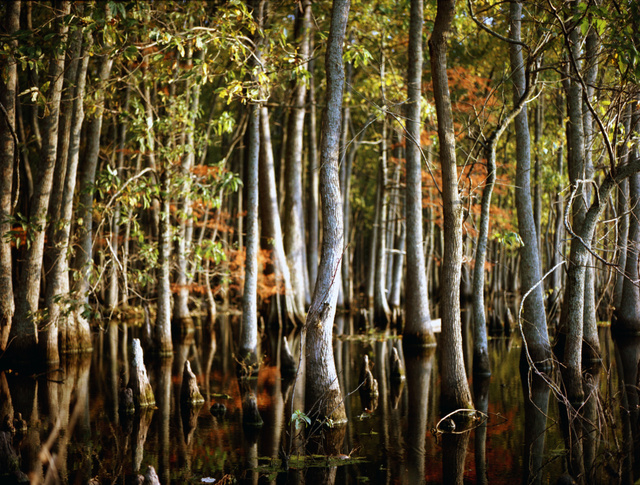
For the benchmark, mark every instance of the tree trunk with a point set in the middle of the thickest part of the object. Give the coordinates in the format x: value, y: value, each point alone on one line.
x: 345, y: 189
x: 283, y: 303
x: 181, y: 314
x: 25, y: 328
x: 249, y: 330
x: 293, y: 210
x: 163, y: 344
x: 534, y: 324
x: 314, y: 170
x: 417, y: 327
x: 455, y: 388
x: 323, y: 396
x: 8, y: 158
x: 381, y: 310
x: 84, y: 255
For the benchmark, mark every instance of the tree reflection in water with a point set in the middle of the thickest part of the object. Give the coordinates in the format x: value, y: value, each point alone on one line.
x: 78, y: 416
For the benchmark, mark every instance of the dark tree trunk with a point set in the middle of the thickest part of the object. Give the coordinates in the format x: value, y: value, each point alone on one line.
x: 8, y: 157
x: 24, y: 328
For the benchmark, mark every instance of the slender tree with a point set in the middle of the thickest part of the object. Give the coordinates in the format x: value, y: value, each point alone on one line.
x: 323, y: 397
x: 417, y: 327
x: 455, y: 388
x: 8, y: 157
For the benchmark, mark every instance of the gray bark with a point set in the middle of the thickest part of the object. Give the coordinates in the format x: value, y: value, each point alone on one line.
x: 323, y: 395
x: 283, y: 302
x: 455, y: 388
x: 294, y: 243
x: 24, y: 327
x: 534, y: 323
x: 8, y: 157
x: 417, y: 327
x: 162, y: 336
x: 313, y: 179
x: 381, y: 310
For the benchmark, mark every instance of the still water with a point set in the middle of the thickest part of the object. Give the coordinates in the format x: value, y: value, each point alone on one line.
x: 77, y: 432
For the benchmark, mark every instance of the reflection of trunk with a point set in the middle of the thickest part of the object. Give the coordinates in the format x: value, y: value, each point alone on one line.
x: 536, y: 403
x: 481, y: 395
x: 24, y: 329
x: 455, y: 388
x: 454, y: 453
x: 418, y: 368
x: 8, y: 155
x: 534, y: 324
x: 589, y: 414
x: 323, y: 396
x: 163, y: 398
x: 417, y: 327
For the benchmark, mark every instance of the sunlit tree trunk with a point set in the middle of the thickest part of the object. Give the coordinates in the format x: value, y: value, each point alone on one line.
x: 455, y: 388
x: 345, y: 189
x: 24, y: 328
x: 534, y: 321
x: 8, y: 156
x: 417, y: 327
x: 283, y: 303
x: 293, y: 211
x: 381, y: 310
x: 314, y: 171
x: 249, y: 327
x: 323, y: 396
x: 83, y: 262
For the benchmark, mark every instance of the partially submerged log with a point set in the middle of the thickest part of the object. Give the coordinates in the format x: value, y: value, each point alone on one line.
x: 189, y: 393
x: 368, y: 388
x: 139, y: 381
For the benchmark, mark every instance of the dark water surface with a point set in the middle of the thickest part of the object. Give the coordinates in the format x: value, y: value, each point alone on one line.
x: 77, y: 432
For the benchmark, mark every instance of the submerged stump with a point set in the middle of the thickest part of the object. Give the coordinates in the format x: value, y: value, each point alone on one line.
x: 139, y: 381
x: 189, y: 393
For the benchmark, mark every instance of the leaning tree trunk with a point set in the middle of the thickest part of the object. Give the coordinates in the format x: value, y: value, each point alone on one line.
x: 323, y: 397
x: 24, y: 330
x: 293, y: 209
x: 417, y: 326
x: 534, y: 324
x: 8, y: 157
x: 455, y: 388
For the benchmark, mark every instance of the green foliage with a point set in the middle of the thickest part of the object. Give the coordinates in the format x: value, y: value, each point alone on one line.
x: 300, y: 419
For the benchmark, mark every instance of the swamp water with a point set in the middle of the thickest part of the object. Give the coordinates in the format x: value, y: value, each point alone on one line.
x: 76, y: 431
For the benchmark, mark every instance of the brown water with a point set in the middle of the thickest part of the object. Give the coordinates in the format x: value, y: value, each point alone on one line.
x: 77, y: 433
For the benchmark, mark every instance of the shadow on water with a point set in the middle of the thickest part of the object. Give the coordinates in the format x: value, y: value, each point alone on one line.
x: 71, y: 425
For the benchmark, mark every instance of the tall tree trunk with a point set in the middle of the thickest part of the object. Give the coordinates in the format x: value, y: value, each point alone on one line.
x: 25, y: 328
x: 249, y: 330
x: 8, y: 157
x: 417, y: 327
x: 162, y: 337
x: 345, y: 188
x: 534, y: 324
x: 283, y: 303
x: 314, y: 171
x: 181, y: 314
x: 455, y: 392
x: 323, y: 396
x: 293, y: 210
x: 84, y: 255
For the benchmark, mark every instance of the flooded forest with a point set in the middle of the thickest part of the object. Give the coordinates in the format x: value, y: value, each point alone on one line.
x: 320, y: 241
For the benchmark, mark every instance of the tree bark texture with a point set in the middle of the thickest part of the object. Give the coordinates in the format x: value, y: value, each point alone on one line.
x: 323, y: 396
x: 417, y: 326
x: 8, y: 159
x: 25, y: 327
x: 293, y: 210
x: 455, y: 388
x: 534, y: 320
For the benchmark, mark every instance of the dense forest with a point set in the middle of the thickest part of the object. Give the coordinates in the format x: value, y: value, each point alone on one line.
x: 163, y: 163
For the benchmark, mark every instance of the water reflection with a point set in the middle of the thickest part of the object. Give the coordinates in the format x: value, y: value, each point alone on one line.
x: 77, y: 417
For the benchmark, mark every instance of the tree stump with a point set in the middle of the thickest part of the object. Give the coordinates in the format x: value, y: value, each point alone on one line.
x: 151, y: 477
x: 189, y: 393
x: 139, y: 381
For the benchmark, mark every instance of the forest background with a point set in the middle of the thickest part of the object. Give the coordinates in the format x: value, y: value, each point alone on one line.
x: 164, y: 159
